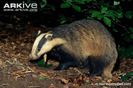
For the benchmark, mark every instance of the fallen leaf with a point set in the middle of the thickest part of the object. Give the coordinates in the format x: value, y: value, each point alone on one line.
x: 51, y: 86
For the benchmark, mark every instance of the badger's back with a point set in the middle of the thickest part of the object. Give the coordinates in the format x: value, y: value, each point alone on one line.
x: 87, y: 38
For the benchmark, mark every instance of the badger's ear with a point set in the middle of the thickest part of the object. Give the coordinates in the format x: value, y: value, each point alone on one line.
x: 36, y: 34
x: 39, y: 32
x: 49, y: 36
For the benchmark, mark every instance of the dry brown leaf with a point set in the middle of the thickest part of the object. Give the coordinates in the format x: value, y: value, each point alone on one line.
x: 52, y: 86
x: 75, y: 86
x: 1, y: 63
x: 109, y: 80
x: 64, y: 81
x: 65, y: 86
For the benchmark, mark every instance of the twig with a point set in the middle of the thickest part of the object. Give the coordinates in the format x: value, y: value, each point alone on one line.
x: 34, y: 86
x: 78, y: 71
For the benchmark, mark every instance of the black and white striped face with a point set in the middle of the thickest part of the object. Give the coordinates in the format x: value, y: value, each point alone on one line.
x: 43, y: 44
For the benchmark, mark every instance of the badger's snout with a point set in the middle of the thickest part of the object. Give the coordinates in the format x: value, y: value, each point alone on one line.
x: 30, y: 56
x: 33, y: 57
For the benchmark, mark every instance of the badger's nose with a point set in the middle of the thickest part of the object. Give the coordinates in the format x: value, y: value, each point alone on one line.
x: 33, y: 57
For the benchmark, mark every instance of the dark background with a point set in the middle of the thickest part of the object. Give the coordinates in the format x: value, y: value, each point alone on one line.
x: 51, y: 13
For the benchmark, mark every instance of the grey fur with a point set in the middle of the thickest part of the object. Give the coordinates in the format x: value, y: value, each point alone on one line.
x: 88, y: 41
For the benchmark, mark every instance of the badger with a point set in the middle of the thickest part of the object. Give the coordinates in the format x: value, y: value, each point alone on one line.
x: 83, y: 43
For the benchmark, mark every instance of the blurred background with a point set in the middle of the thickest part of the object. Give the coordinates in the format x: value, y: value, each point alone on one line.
x: 116, y: 15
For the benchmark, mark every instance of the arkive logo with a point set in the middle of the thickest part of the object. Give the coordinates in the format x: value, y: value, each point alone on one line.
x: 23, y: 6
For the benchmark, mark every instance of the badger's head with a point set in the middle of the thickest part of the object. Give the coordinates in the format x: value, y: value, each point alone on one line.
x: 43, y: 44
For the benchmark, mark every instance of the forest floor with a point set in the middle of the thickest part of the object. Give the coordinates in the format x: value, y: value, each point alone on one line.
x: 17, y: 72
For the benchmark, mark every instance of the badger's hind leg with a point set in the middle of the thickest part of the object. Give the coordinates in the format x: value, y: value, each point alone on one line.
x: 108, y: 69
x: 100, y: 66
x: 95, y: 66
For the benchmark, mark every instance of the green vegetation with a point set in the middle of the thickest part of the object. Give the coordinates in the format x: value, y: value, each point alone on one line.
x: 127, y: 76
x: 116, y: 15
x: 42, y: 64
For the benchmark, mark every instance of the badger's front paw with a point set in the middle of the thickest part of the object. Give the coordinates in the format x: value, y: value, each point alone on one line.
x: 64, y: 66
x: 59, y: 67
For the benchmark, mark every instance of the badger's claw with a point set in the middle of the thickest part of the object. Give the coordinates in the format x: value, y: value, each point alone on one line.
x: 45, y: 58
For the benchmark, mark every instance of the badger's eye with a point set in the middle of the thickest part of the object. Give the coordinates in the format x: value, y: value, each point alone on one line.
x: 49, y: 36
x: 39, y: 48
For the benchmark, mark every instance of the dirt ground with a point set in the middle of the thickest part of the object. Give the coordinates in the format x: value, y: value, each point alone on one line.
x: 17, y: 72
